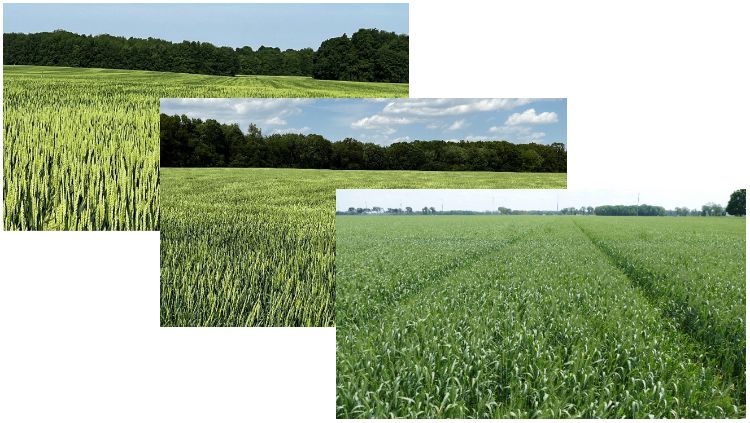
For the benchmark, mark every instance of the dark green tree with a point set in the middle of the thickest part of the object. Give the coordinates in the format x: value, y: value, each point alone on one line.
x: 370, y: 55
x: 335, y: 59
x: 193, y: 142
x: 737, y: 204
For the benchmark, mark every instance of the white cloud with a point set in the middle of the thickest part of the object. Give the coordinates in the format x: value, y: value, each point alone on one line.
x: 378, y: 121
x: 233, y: 109
x: 247, y: 105
x: 538, y: 135
x: 476, y: 138
x: 507, y: 129
x: 430, y: 107
x: 518, y: 133
x: 381, y: 120
x: 276, y: 120
x: 530, y: 116
x: 383, y: 124
x: 513, y: 130
x: 303, y: 130
x: 401, y: 139
x: 377, y: 138
x: 457, y: 125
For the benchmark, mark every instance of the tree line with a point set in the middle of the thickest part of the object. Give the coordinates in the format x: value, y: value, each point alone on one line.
x: 408, y: 211
x: 708, y: 209
x: 735, y: 207
x: 187, y: 142
x: 644, y: 209
x: 369, y: 55
x: 636, y: 210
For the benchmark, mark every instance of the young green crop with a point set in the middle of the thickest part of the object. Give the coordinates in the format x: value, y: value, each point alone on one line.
x: 512, y: 316
x: 255, y: 247
x: 692, y: 270
x: 81, y: 148
x: 242, y: 247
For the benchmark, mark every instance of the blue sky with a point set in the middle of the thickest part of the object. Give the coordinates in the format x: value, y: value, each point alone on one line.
x: 527, y: 199
x: 235, y: 25
x: 385, y: 121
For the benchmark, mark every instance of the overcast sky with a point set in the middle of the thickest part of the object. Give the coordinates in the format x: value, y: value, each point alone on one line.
x: 236, y: 25
x: 385, y: 121
x: 525, y: 199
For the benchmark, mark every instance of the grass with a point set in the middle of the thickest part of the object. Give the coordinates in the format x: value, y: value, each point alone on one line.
x: 531, y: 316
x: 81, y: 148
x: 255, y: 247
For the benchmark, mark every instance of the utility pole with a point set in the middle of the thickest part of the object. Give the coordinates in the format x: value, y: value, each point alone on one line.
x: 637, y: 204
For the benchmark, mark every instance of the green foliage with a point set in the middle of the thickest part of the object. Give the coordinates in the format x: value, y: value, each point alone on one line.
x: 634, y: 210
x: 712, y: 209
x: 187, y: 142
x: 737, y: 205
x: 694, y: 273
x: 255, y: 247
x: 521, y: 317
x: 81, y: 147
x: 370, y: 56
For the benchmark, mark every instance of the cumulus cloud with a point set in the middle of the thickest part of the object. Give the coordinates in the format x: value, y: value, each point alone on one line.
x: 457, y: 125
x: 239, y: 105
x: 433, y: 112
x: 276, y: 120
x: 379, y: 121
x: 234, y: 109
x: 477, y: 138
x: 518, y: 130
x: 517, y: 133
x: 433, y: 107
x: 304, y: 130
x: 267, y: 113
x: 531, y: 117
x: 538, y: 135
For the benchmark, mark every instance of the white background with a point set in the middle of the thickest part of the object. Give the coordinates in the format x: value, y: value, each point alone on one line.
x: 657, y: 97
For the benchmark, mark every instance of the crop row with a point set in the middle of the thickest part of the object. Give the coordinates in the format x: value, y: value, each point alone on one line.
x: 694, y: 272
x: 376, y: 283
x: 544, y: 327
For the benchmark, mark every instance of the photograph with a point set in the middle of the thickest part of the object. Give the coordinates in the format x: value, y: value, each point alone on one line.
x: 540, y: 304
x: 82, y: 84
x: 248, y: 188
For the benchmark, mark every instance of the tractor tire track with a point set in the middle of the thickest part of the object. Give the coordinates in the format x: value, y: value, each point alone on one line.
x: 432, y: 277
x: 691, y: 324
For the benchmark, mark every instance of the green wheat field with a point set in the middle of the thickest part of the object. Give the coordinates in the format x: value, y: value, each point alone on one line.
x: 81, y: 146
x: 255, y: 247
x: 537, y: 316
